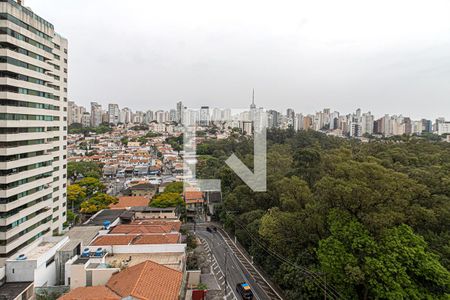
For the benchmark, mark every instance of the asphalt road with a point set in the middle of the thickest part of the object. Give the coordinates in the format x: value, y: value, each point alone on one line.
x: 230, y: 265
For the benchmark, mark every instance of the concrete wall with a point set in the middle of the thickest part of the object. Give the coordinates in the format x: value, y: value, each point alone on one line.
x: 45, y: 276
x: 77, y: 276
x: 101, y: 276
x: 20, y: 270
x: 193, y: 278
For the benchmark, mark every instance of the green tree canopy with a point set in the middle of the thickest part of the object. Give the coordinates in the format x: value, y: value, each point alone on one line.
x: 91, y: 185
x: 174, y: 187
x: 97, y: 202
x: 167, y: 200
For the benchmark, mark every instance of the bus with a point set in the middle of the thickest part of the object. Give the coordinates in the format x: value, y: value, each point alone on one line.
x: 244, y: 290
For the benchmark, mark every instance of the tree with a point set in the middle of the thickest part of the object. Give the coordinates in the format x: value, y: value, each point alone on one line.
x: 396, y: 265
x: 174, y: 187
x: 167, y: 200
x: 97, y: 202
x: 91, y: 185
x: 83, y: 168
x: 75, y: 194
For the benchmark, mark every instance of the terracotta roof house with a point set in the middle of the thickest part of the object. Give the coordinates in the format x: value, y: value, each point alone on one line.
x: 147, y: 281
x: 127, y: 202
x: 136, y: 239
x: 91, y: 293
x: 141, y: 229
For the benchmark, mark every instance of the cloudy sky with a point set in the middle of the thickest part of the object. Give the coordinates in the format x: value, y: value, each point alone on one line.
x: 383, y: 56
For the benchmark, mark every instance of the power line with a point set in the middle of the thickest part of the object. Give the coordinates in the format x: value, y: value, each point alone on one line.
x: 317, y: 280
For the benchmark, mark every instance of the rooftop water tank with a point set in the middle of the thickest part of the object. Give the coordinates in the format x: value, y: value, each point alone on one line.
x: 106, y: 224
x: 99, y: 252
x: 85, y: 252
x: 21, y: 257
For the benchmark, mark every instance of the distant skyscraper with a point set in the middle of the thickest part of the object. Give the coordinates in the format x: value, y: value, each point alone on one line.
x: 173, y: 115
x: 96, y: 114
x: 204, y: 116
x: 113, y: 113
x: 180, y: 109
x: 161, y: 116
x: 125, y: 115
x: 290, y: 113
x: 148, y: 118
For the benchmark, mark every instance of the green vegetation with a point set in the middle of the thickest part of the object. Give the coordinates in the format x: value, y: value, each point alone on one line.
x: 372, y: 220
x: 176, y: 142
x: 84, y: 168
x: 167, y: 199
x: 86, y: 196
x: 75, y: 194
x: 91, y: 185
x: 77, y: 128
x: 96, y: 203
x: 174, y: 187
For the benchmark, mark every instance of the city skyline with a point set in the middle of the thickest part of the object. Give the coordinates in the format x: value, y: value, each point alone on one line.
x: 296, y: 55
x: 355, y: 124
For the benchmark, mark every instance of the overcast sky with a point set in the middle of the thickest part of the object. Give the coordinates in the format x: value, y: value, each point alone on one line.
x: 383, y: 56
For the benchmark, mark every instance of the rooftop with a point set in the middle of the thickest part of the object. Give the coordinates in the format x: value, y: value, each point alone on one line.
x: 136, y: 239
x: 147, y: 280
x: 84, y: 233
x: 130, y: 201
x: 105, y: 215
x: 171, y: 260
x: 141, y: 229
x: 90, y: 293
x: 12, y: 290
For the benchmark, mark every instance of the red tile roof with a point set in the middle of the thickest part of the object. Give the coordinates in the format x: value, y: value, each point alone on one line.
x: 193, y: 195
x: 130, y: 201
x: 91, y: 293
x: 176, y: 225
x: 141, y: 229
x: 136, y: 239
x: 106, y: 240
x: 147, y: 281
x: 157, y: 239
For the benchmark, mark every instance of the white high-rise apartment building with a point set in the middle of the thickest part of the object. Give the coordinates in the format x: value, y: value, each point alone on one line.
x: 113, y: 113
x: 33, y: 128
x: 96, y: 114
x: 74, y: 113
x: 125, y: 115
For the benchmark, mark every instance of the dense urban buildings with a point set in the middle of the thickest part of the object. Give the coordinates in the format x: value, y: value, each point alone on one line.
x: 33, y: 124
x: 357, y: 124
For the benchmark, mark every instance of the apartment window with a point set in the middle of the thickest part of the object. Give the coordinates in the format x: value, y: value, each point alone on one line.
x: 19, y: 63
x: 56, y: 46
